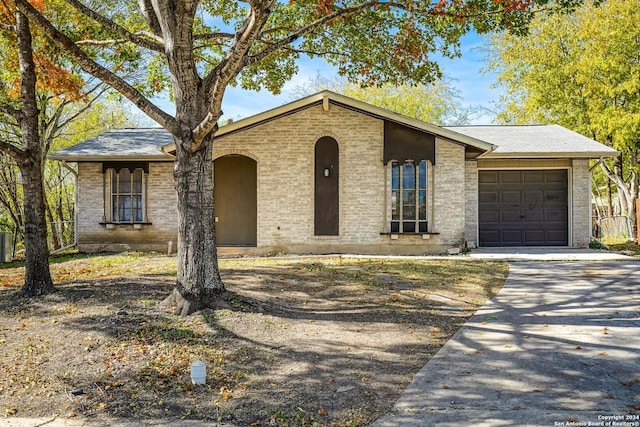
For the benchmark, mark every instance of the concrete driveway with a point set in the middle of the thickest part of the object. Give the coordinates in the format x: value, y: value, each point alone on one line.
x: 559, y: 345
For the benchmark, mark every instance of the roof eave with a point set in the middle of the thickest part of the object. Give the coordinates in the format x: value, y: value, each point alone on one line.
x: 551, y: 155
x: 162, y: 158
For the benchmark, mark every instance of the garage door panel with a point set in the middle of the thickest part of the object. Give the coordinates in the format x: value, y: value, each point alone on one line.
x: 509, y: 177
x: 534, y: 237
x: 492, y: 237
x: 519, y: 208
x: 533, y: 198
x: 556, y: 215
x: 534, y: 216
x: 488, y: 177
x: 510, y: 217
x: 556, y: 237
x: 488, y: 197
x: 511, y: 237
x: 529, y: 177
x: 510, y: 196
x: 559, y: 197
x: 490, y: 216
x: 558, y: 176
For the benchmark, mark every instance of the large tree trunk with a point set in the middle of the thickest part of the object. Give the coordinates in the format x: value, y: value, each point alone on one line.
x: 198, y: 284
x: 37, y: 275
x: 37, y: 279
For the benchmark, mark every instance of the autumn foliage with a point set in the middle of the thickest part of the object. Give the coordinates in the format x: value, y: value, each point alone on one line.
x: 53, y: 77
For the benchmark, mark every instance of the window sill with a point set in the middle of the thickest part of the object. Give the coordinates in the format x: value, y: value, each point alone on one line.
x: 396, y: 236
x: 134, y: 225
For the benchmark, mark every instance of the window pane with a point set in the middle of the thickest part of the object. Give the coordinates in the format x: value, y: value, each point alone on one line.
x: 395, y: 227
x: 114, y: 182
x: 395, y: 212
x: 137, y: 208
x: 408, y: 227
x: 124, y: 210
x: 422, y: 204
x: 422, y: 175
x: 395, y: 176
x: 409, y: 204
x: 423, y: 226
x: 408, y: 176
x: 125, y: 181
x: 137, y: 181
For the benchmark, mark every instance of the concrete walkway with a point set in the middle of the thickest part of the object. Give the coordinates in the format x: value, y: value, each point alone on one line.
x: 559, y: 345
x: 545, y: 254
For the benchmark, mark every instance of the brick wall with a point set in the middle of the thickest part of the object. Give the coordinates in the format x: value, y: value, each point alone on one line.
x: 286, y: 194
x: 161, y: 213
x: 284, y: 152
x: 471, y: 202
x: 581, y: 206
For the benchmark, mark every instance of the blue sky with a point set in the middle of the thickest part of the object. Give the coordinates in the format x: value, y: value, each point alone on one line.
x: 466, y: 73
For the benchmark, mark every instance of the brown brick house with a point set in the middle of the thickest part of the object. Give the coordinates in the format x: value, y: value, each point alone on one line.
x: 331, y: 174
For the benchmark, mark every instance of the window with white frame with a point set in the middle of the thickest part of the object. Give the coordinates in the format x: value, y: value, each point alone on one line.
x: 409, y: 197
x: 125, y: 193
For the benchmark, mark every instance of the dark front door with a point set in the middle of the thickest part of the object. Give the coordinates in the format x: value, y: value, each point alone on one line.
x: 326, y: 172
x: 235, y: 198
x: 523, y: 208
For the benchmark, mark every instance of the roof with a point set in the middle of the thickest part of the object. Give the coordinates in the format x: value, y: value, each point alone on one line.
x: 536, y: 141
x: 119, y: 144
x: 531, y: 141
x: 327, y: 98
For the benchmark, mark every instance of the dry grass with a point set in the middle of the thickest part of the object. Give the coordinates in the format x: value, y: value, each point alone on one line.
x: 297, y: 342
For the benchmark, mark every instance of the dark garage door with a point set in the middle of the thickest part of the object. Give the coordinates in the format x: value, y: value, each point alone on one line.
x: 523, y: 208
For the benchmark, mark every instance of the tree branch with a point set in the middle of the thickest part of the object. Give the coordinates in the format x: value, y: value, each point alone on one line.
x: 13, y: 112
x: 7, y: 27
x: 209, y: 36
x: 309, y: 28
x: 14, y: 152
x: 216, y: 82
x: 157, y: 45
x: 92, y: 67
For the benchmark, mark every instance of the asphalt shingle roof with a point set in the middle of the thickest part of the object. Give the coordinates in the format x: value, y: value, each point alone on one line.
x: 531, y: 140
x: 123, y: 144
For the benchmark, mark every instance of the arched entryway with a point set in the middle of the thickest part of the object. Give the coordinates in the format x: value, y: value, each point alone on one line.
x: 235, y: 198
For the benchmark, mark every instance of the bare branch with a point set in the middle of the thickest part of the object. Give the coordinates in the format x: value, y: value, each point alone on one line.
x: 92, y: 67
x: 150, y: 16
x: 155, y: 45
x: 101, y: 42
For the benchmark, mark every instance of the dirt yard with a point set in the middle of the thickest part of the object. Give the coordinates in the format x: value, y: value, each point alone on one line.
x: 297, y: 342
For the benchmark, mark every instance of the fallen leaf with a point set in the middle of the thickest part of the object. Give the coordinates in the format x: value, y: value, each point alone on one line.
x: 445, y: 387
x: 322, y: 411
x: 603, y: 353
x: 578, y: 347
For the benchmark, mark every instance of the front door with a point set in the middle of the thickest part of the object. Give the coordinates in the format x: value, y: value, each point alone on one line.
x: 327, y: 178
x: 235, y: 200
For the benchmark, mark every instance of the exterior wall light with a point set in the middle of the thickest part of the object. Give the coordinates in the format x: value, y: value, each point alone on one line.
x: 326, y: 172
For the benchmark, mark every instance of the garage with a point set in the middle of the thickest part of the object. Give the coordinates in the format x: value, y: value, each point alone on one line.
x: 523, y: 207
